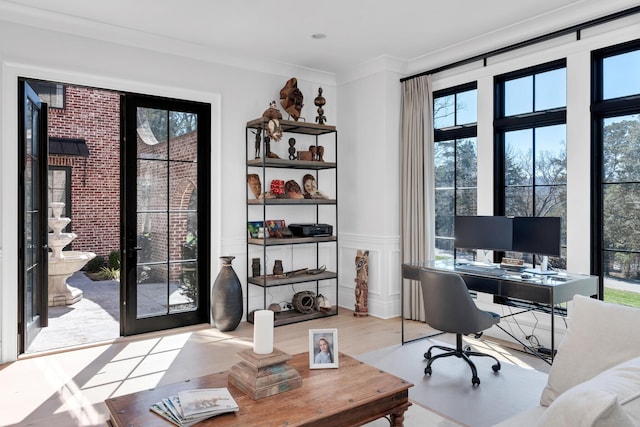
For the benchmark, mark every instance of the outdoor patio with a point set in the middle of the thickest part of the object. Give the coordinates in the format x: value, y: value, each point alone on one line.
x: 95, y: 318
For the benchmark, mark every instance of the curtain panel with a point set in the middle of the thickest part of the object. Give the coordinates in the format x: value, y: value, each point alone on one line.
x: 417, y: 192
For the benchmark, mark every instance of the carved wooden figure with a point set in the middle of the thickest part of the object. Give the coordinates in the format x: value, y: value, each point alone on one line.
x: 362, y: 283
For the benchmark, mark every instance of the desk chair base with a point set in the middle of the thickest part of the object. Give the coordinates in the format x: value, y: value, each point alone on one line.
x: 461, y: 353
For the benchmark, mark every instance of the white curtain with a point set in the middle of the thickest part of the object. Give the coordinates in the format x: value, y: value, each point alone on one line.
x: 417, y: 192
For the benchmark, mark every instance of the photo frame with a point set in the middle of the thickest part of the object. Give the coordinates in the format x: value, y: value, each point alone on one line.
x: 323, y: 348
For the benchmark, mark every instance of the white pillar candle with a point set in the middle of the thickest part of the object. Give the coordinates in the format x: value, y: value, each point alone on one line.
x: 263, y: 331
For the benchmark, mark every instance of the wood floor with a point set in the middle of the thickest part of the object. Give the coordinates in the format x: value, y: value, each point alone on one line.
x: 68, y: 388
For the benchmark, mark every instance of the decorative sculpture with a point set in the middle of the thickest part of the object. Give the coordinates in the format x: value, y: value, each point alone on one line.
x: 253, y: 179
x: 257, y: 144
x: 291, y: 98
x: 292, y: 148
x: 319, y: 102
x: 292, y: 190
x: 310, y: 188
x: 362, y: 283
x: 273, y: 127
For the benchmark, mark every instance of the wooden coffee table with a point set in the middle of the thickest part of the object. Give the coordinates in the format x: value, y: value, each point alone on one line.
x: 351, y: 395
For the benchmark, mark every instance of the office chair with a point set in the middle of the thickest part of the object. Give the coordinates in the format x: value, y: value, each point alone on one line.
x: 449, y: 308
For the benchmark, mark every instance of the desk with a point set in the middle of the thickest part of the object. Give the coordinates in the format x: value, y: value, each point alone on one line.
x: 546, y: 290
x: 351, y: 395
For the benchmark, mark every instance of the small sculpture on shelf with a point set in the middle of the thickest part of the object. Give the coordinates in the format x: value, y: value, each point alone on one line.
x: 292, y: 190
x: 273, y: 127
x: 362, y: 283
x: 319, y: 102
x: 257, y: 144
x: 292, y: 148
x: 277, y: 268
x: 311, y: 189
x: 291, y: 98
x: 317, y: 153
x: 253, y: 180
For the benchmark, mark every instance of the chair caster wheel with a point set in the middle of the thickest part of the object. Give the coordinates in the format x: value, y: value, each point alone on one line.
x: 466, y: 348
x: 496, y: 367
x: 427, y: 370
x: 427, y: 355
x: 475, y: 381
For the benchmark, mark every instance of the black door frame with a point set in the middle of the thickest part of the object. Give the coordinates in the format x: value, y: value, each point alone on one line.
x: 27, y: 330
x: 130, y: 324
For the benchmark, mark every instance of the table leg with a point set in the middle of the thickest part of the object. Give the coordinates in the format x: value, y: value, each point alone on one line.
x: 396, y: 418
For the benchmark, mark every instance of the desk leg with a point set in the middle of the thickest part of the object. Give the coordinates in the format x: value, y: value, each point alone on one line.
x: 553, y: 330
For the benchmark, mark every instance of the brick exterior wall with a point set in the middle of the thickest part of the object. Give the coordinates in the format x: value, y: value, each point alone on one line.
x: 92, y: 115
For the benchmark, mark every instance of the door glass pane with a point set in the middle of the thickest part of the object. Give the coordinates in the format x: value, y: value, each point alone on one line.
x: 620, y: 75
x: 167, y: 208
x: 152, y: 130
x: 183, y: 134
x: 153, y: 290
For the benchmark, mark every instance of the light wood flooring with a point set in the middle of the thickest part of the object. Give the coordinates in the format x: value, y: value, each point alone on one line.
x: 68, y: 388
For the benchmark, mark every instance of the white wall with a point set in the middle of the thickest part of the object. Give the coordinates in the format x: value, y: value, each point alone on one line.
x: 369, y: 183
x: 237, y: 94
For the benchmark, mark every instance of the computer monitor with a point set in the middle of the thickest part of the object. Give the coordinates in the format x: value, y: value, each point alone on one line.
x: 483, y: 232
x: 537, y: 235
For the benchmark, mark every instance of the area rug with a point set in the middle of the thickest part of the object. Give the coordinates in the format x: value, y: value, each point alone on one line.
x: 448, y: 391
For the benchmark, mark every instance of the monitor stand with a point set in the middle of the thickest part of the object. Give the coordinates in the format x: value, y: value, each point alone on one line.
x: 542, y: 271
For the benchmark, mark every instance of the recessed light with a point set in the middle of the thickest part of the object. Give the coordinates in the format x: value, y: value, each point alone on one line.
x: 318, y: 36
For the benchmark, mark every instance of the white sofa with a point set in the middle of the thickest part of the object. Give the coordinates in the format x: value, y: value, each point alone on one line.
x: 595, y: 377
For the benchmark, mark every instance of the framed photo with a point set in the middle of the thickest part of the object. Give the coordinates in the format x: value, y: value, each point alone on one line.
x: 323, y: 348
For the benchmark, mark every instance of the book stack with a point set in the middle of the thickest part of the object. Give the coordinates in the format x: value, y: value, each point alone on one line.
x: 189, y: 407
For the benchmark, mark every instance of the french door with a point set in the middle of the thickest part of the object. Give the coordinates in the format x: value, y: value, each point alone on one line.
x: 33, y: 228
x: 165, y: 228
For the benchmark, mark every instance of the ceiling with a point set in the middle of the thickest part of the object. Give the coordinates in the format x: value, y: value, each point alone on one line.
x: 415, y: 32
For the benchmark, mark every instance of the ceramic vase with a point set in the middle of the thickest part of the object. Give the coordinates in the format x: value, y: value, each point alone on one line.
x: 226, y: 297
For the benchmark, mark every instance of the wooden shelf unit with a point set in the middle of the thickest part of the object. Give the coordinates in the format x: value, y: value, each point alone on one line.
x: 260, y: 166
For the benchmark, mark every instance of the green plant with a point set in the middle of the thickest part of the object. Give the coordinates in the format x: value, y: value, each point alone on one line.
x: 95, y: 265
x: 107, y: 273
x: 114, y: 260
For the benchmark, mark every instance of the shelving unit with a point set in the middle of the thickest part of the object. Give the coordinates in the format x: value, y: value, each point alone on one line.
x: 261, y: 210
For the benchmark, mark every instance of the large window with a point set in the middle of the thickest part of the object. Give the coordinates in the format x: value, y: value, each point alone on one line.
x: 455, y: 161
x: 616, y: 118
x: 531, y: 152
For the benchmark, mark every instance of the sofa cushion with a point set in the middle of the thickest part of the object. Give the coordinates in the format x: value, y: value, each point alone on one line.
x: 600, y: 335
x: 601, y: 401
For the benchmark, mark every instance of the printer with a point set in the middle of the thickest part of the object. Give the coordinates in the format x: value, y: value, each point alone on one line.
x: 311, y: 230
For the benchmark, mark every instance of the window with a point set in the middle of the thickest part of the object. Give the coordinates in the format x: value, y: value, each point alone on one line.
x: 455, y: 161
x: 59, y: 182
x: 616, y: 118
x: 50, y: 92
x: 531, y: 152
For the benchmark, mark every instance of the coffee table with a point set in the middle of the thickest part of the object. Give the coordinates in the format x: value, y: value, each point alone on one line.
x: 351, y: 395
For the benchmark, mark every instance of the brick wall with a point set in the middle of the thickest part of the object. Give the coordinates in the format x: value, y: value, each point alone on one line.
x: 93, y: 115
